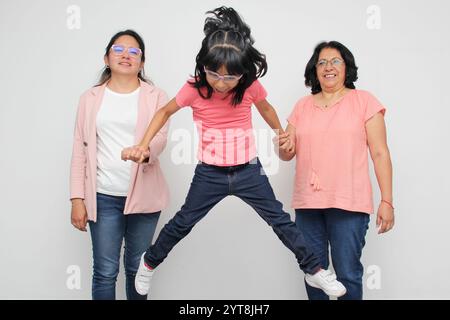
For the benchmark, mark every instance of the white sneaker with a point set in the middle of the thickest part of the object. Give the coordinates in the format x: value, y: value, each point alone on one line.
x: 326, y: 280
x: 143, y: 278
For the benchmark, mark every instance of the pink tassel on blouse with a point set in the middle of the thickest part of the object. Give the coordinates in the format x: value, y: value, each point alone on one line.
x: 315, y: 181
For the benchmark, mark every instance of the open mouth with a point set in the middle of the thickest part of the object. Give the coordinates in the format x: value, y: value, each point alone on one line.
x: 125, y: 64
x: 330, y: 76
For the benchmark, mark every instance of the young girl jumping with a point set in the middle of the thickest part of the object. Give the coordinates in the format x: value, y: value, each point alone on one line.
x: 221, y: 94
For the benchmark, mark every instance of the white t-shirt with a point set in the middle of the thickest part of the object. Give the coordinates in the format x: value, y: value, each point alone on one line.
x: 116, y: 124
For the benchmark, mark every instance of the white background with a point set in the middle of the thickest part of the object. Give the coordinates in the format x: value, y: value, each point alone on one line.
x: 232, y: 253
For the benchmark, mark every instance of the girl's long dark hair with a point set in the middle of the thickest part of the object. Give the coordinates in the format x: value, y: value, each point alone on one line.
x: 228, y: 43
x: 106, y: 73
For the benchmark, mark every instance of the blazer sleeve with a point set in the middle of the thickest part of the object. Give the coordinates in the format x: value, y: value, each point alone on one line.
x: 78, y: 162
x: 159, y: 142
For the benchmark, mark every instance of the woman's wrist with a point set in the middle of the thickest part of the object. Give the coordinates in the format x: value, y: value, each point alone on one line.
x: 76, y: 201
x: 388, y: 202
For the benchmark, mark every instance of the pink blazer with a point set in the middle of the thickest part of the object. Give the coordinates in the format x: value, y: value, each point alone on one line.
x: 148, y: 191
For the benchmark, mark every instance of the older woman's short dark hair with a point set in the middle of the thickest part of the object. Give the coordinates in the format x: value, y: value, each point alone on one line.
x: 351, y: 70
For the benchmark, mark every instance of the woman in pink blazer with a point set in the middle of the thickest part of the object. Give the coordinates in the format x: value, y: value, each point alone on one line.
x: 120, y: 200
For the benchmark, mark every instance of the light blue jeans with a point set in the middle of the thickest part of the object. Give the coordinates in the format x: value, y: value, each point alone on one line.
x: 108, y: 233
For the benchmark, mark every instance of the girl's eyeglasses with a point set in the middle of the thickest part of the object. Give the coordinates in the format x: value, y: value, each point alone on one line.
x: 226, y: 78
x: 118, y: 49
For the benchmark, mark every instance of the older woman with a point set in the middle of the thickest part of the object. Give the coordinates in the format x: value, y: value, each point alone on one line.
x: 329, y: 132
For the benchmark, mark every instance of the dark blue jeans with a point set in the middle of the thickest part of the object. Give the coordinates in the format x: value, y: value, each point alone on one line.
x: 248, y: 182
x: 344, y: 233
x: 108, y: 233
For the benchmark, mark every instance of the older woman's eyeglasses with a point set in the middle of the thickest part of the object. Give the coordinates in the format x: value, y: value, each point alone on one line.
x: 226, y: 78
x: 335, y: 62
x: 118, y: 49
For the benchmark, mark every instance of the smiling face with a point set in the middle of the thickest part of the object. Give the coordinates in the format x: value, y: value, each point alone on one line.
x: 221, y: 85
x: 124, y: 62
x: 330, y: 70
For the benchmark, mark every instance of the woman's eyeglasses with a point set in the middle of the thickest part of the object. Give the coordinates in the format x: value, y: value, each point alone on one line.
x: 335, y: 62
x: 118, y: 49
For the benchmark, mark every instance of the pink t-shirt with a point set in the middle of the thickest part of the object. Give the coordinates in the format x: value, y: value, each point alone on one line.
x: 332, y: 168
x: 225, y: 131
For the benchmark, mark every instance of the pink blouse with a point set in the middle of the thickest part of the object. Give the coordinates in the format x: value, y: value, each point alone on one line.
x: 332, y: 168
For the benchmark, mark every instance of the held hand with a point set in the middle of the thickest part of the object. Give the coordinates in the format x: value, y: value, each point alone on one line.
x: 283, y: 142
x: 79, y: 216
x: 385, y: 218
x: 288, y: 146
x: 136, y: 153
x: 280, y: 138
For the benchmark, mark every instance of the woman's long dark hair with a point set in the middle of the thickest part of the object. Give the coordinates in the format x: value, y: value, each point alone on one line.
x: 106, y: 73
x: 228, y: 43
x: 351, y: 70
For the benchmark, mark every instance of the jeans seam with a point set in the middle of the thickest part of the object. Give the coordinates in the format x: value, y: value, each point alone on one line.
x: 230, y: 189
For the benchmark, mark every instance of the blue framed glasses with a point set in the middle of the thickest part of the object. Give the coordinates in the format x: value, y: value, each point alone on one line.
x: 119, y: 49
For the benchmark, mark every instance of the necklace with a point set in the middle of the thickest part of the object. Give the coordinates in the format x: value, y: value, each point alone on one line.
x: 339, y: 94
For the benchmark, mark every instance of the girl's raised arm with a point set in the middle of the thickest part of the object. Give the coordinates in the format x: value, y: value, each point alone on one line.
x: 141, y: 151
